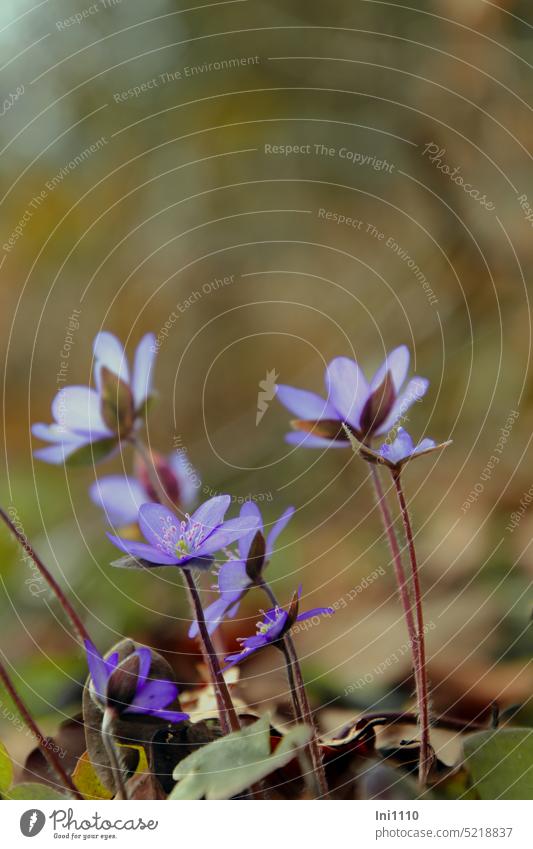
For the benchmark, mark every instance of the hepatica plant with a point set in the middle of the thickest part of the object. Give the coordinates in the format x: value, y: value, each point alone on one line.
x: 131, y: 693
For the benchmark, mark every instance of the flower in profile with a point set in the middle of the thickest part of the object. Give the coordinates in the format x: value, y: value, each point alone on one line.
x: 366, y: 408
x: 188, y: 542
x: 125, y: 688
x: 88, y: 423
x: 121, y: 496
x: 238, y: 574
x: 397, y: 453
x: 272, y: 628
x: 403, y: 448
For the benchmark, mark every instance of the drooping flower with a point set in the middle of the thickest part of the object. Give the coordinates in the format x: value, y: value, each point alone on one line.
x: 237, y: 575
x: 274, y: 625
x: 99, y: 417
x: 126, y: 688
x: 189, y: 542
x: 367, y: 408
x: 121, y: 496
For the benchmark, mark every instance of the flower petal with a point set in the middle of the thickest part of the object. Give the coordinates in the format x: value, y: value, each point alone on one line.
x: 276, y: 529
x: 143, y: 551
x: 249, y: 508
x: 78, y: 408
x: 347, y: 389
x: 98, y: 669
x: 425, y: 445
x: 160, y: 527
x: 153, y: 695
x: 397, y: 362
x: 214, y: 614
x: 307, y: 440
x: 187, y: 477
x: 119, y: 497
x: 224, y: 535
x: 145, y: 661
x: 211, y: 513
x: 399, y: 449
x: 315, y: 611
x: 305, y: 405
x: 414, y: 391
x: 142, y: 369
x: 109, y: 353
x: 57, y: 454
x: 233, y: 578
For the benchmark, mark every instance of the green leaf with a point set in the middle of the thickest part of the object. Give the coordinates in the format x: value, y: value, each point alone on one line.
x: 6, y: 769
x: 35, y: 791
x: 229, y: 766
x: 87, y: 781
x: 501, y: 763
x: 87, y: 455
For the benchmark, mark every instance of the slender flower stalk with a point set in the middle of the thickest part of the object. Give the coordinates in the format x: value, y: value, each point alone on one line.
x: 399, y: 571
x: 229, y: 720
x: 302, y: 708
x: 228, y: 715
x: 109, y: 742
x: 77, y: 624
x: 48, y: 752
x: 425, y: 748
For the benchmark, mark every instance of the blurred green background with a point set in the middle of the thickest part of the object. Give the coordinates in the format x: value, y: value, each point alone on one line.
x: 148, y: 150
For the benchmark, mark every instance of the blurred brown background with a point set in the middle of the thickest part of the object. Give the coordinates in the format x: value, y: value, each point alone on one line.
x: 138, y: 166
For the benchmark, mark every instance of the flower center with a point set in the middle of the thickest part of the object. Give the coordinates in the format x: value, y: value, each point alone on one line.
x: 190, y: 537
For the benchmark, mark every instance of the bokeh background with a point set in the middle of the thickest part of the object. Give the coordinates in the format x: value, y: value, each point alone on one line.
x: 139, y: 169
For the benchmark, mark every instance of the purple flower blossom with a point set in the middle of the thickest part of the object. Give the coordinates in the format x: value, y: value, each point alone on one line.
x: 234, y: 577
x: 368, y: 408
x: 121, y: 496
x: 403, y: 448
x: 98, y: 417
x: 126, y: 688
x: 190, y: 542
x: 275, y: 624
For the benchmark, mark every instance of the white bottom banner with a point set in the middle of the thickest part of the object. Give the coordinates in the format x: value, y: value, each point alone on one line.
x: 499, y: 823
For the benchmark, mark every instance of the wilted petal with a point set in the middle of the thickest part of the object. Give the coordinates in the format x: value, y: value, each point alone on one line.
x: 305, y: 405
x: 120, y: 498
x: 397, y: 362
x: 347, y: 389
x: 143, y: 551
x: 109, y: 353
x: 160, y: 527
x: 276, y: 529
x: 415, y: 391
x: 142, y: 369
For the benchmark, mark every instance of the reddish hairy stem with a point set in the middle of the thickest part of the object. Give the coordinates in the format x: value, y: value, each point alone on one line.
x: 228, y: 715
x: 425, y: 748
x: 302, y: 708
x: 77, y: 624
x: 48, y: 753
